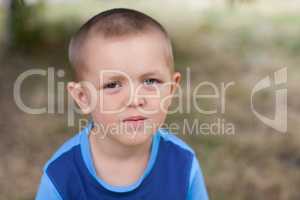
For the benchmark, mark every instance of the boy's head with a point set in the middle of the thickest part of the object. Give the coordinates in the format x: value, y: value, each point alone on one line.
x: 123, y: 63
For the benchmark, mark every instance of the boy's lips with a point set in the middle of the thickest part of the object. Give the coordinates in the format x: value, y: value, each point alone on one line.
x: 134, y: 118
x: 134, y: 122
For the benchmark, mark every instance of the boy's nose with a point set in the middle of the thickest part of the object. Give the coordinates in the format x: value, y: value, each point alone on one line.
x: 137, y: 101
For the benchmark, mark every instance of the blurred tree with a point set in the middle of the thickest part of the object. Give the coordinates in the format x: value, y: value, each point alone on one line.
x: 21, y: 29
x: 12, y: 9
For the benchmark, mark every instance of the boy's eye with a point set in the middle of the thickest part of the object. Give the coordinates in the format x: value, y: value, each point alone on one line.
x: 112, y: 85
x: 151, y: 81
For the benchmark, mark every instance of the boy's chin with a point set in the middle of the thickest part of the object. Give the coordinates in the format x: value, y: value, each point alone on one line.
x: 133, y: 138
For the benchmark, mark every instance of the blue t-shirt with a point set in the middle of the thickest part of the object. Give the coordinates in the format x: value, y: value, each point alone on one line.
x: 172, y: 172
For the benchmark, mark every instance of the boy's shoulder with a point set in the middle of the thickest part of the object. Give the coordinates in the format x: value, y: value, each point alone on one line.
x: 172, y: 149
x: 67, y: 146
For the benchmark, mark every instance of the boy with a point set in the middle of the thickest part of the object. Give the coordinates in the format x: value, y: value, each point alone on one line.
x: 125, y: 79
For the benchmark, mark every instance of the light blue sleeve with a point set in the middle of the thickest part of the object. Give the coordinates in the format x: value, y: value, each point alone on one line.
x: 197, y: 188
x: 47, y: 190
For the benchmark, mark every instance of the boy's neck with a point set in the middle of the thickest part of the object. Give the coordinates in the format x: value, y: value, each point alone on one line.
x: 108, y: 147
x: 117, y: 164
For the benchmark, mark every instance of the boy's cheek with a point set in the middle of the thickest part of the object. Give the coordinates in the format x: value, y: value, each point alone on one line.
x: 105, y: 119
x: 114, y: 104
x: 165, y: 103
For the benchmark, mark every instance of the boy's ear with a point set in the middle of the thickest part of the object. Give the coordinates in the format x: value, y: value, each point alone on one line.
x: 176, y: 78
x: 80, y: 96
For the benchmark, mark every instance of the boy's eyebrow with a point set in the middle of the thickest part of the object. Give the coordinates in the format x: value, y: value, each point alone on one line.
x: 116, y: 77
x: 121, y: 77
x: 150, y: 73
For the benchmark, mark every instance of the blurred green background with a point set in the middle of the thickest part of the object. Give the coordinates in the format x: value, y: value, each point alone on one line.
x: 221, y: 41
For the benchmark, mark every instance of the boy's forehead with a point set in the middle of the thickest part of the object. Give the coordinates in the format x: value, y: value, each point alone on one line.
x: 144, y: 50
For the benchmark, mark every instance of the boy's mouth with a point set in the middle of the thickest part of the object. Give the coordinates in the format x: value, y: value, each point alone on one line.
x: 134, y: 122
x: 134, y: 118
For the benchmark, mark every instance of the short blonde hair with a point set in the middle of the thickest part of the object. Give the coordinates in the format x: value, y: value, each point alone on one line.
x: 112, y: 23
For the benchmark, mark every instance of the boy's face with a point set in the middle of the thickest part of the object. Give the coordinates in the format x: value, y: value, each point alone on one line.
x: 132, y: 82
